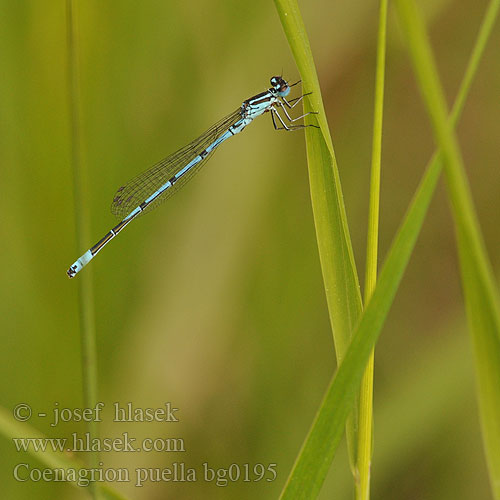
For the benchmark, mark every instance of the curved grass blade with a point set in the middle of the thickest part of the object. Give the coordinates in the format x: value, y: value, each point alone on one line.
x: 480, y: 289
x: 340, y: 275
x: 317, y: 453
x: 314, y: 459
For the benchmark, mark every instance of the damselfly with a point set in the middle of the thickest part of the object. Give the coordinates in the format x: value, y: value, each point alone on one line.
x: 155, y: 185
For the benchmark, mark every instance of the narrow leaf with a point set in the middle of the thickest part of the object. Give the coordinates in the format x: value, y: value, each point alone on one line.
x: 317, y: 452
x: 340, y: 275
x: 478, y: 281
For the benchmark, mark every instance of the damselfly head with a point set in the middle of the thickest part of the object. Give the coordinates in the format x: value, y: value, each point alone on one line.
x: 280, y: 86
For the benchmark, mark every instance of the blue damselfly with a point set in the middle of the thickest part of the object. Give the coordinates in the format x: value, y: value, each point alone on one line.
x: 152, y: 187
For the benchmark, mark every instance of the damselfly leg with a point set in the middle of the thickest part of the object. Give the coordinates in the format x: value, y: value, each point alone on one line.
x: 282, y: 103
x: 295, y: 101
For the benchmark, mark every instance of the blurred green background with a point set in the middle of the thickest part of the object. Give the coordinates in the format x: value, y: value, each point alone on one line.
x: 214, y: 302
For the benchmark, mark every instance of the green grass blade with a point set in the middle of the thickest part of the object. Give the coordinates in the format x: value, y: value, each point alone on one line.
x: 364, y: 451
x: 317, y: 452
x: 481, y: 294
x: 13, y: 429
x: 340, y: 275
x: 85, y: 287
x: 334, y: 242
x: 319, y: 448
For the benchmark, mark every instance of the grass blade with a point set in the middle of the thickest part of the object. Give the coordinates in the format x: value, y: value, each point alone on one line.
x: 314, y: 459
x: 317, y: 452
x: 340, y: 275
x: 85, y: 287
x: 364, y: 452
x: 481, y: 294
x: 334, y: 242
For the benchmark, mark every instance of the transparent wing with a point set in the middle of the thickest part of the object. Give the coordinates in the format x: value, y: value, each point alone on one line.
x: 144, y: 185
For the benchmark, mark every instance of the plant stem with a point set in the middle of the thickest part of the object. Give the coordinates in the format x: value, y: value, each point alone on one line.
x: 364, y: 454
x: 85, y: 287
